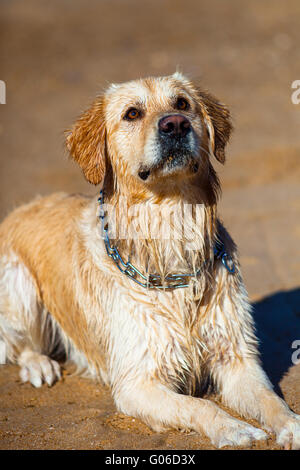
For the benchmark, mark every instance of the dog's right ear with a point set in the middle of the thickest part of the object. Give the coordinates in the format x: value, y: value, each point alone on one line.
x: 86, y: 142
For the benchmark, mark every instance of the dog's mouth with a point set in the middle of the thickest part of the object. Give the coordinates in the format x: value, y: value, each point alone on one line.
x: 171, y: 161
x: 144, y: 174
x: 170, y: 166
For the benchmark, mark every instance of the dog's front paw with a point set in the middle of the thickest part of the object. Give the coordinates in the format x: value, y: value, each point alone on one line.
x: 237, y: 433
x: 288, y: 436
x: 37, y: 368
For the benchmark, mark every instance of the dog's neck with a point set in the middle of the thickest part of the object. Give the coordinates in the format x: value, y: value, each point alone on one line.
x: 167, y: 231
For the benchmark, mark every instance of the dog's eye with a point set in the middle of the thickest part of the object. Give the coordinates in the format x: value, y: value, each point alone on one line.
x: 182, y: 104
x: 132, y: 114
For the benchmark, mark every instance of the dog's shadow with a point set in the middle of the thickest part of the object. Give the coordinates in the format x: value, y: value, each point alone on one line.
x: 277, y: 319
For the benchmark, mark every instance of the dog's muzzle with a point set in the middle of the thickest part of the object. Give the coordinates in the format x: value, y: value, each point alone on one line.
x: 176, y: 144
x: 175, y: 141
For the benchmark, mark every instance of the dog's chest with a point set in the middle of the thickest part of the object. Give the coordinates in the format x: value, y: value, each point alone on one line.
x: 156, y: 334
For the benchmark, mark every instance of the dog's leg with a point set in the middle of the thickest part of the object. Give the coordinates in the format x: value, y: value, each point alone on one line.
x: 245, y: 387
x: 235, y: 365
x: 161, y: 408
x: 26, y: 330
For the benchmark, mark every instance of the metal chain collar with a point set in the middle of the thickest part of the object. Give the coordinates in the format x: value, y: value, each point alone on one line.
x: 153, y: 281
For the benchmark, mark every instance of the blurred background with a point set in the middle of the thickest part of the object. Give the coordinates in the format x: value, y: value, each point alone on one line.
x: 55, y: 56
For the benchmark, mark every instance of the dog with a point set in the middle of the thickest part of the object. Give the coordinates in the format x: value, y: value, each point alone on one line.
x: 154, y: 317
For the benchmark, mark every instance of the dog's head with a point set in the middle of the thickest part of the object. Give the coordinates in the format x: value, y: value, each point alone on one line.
x: 153, y: 130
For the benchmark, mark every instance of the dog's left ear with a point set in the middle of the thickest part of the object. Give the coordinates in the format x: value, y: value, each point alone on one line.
x: 218, y: 122
x: 86, y: 142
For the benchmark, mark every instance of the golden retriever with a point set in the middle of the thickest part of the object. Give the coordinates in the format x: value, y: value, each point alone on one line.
x: 154, y: 317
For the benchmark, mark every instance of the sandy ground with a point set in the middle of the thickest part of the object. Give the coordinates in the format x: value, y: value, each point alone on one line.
x: 54, y: 57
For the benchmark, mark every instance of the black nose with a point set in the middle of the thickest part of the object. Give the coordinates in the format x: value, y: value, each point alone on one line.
x: 174, y: 125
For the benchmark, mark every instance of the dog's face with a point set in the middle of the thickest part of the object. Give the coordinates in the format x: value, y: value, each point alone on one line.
x: 155, y: 127
x: 152, y: 130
